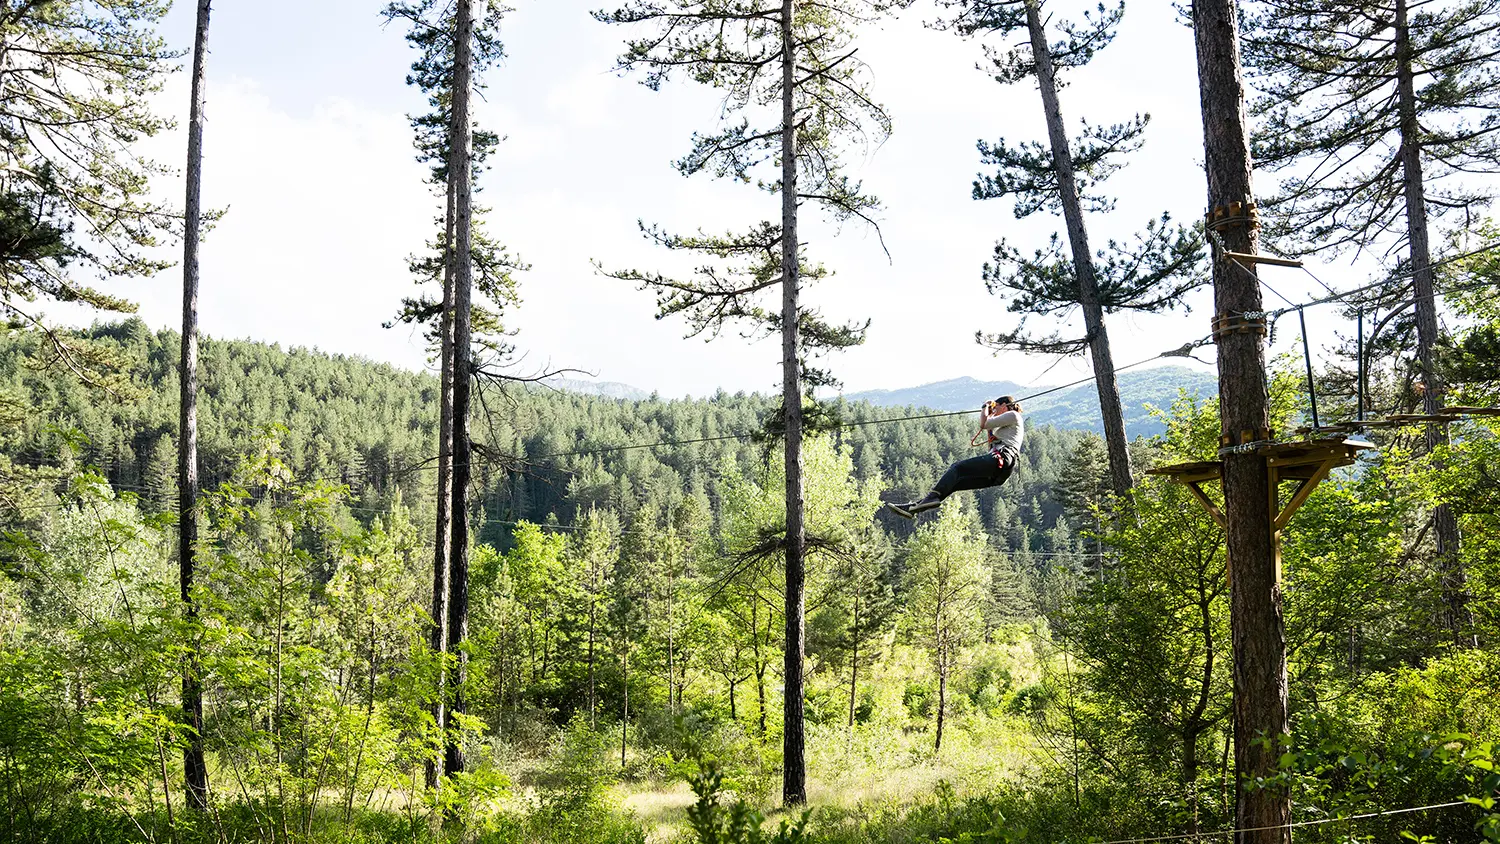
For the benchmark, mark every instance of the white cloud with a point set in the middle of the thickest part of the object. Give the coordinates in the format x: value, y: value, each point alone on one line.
x: 325, y: 202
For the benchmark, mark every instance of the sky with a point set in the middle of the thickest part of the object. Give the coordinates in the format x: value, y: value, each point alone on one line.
x: 307, y: 150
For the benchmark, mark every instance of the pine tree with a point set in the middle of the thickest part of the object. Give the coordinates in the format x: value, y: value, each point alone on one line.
x: 597, y: 550
x: 1149, y: 275
x: 1256, y: 614
x: 1378, y: 111
x: 947, y: 584
x: 456, y: 46
x: 195, y: 767
x: 79, y: 78
x: 798, y: 55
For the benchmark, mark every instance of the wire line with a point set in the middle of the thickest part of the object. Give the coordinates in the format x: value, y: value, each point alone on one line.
x: 1293, y: 825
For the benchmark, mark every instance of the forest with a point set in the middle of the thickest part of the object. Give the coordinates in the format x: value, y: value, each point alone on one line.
x: 261, y: 594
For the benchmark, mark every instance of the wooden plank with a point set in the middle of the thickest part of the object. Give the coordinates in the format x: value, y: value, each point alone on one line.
x: 1301, y: 457
x: 1203, y: 470
x: 1418, y: 418
x: 1245, y: 257
x: 1473, y: 411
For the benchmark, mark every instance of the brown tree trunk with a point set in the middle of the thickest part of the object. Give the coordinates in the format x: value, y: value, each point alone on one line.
x: 942, y: 701
x: 1105, y: 381
x: 854, y: 661
x: 438, y: 635
x: 460, y: 176
x: 760, y: 663
x: 794, y: 761
x: 593, y: 614
x: 194, y: 765
x: 1457, y: 616
x: 1260, y: 678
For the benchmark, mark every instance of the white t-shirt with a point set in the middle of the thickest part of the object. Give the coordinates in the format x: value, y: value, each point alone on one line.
x: 1006, y: 430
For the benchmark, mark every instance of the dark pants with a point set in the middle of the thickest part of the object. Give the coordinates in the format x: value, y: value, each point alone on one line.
x: 975, y: 473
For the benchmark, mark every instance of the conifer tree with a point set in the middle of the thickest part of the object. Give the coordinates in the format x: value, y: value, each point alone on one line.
x: 947, y: 585
x: 1378, y: 112
x: 1151, y: 274
x: 77, y: 78
x: 195, y: 768
x: 456, y: 46
x: 597, y: 551
x: 797, y: 55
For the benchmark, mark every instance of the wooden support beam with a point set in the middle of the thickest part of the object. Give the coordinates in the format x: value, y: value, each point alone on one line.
x: 1213, y: 509
x: 1304, y: 488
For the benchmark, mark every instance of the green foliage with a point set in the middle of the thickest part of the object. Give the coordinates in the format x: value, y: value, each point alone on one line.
x: 80, y: 81
x: 1328, y: 117
x: 432, y: 25
x: 739, y: 822
x: 1151, y: 274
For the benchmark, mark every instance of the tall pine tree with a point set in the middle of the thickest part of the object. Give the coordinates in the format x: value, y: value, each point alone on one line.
x: 77, y: 79
x: 1380, y: 115
x: 798, y: 58
x: 457, y: 45
x: 195, y: 767
x: 1151, y: 274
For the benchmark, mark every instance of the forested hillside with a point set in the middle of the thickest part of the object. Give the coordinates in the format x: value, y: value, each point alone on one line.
x: 548, y: 453
x: 262, y: 595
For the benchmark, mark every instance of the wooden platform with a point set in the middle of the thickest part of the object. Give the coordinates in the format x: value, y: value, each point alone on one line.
x: 1305, y: 462
x: 1446, y: 416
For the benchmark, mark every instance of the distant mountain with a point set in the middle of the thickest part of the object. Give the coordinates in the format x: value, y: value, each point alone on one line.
x: 1075, y: 408
x: 606, y: 389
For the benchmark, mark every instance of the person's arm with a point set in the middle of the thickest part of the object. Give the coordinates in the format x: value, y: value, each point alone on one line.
x: 1008, y: 419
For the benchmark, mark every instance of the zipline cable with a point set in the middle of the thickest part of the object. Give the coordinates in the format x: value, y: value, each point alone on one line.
x: 429, y: 462
x: 1394, y: 277
x: 1293, y: 825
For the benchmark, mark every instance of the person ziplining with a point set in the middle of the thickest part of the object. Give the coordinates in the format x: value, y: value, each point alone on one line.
x: 1000, y: 422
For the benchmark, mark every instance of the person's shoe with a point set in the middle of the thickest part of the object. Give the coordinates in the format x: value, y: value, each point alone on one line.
x: 908, y: 511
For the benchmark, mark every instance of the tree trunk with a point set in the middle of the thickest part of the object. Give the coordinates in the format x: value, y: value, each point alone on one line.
x: 854, y: 662
x: 593, y: 614
x: 438, y: 635
x: 942, y: 701
x: 459, y: 175
x: 1195, y: 725
x: 194, y: 765
x: 1458, y: 618
x: 760, y: 663
x: 625, y: 707
x: 794, y: 770
x: 1111, y: 415
x: 733, y: 716
x: 1190, y: 778
x: 1260, y: 678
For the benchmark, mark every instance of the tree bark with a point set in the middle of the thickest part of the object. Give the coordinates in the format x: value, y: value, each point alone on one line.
x: 194, y: 765
x: 438, y: 635
x: 760, y: 662
x: 460, y: 176
x: 593, y: 615
x: 1260, y: 677
x: 854, y: 661
x: 1107, y: 384
x: 1457, y: 616
x: 794, y: 761
x: 942, y: 702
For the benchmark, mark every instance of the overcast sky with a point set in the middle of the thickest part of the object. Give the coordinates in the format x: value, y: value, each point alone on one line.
x: 308, y: 149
